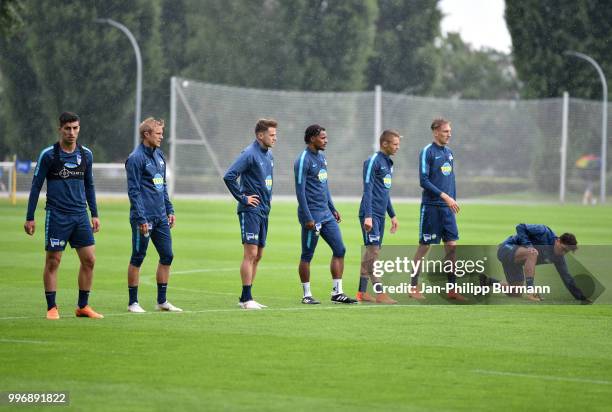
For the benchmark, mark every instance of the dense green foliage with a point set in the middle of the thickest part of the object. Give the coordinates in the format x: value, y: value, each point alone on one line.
x: 542, y: 30
x: 55, y: 58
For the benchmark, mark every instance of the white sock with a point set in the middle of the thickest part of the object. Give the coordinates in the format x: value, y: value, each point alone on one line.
x: 337, y: 287
x: 306, y: 287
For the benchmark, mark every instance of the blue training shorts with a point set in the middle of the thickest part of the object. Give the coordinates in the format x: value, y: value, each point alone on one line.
x: 374, y: 236
x: 437, y: 223
x: 330, y: 231
x: 159, y: 232
x: 61, y: 229
x: 513, y: 271
x: 253, y: 228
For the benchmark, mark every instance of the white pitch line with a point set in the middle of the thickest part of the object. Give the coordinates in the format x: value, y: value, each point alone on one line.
x: 544, y: 377
x: 38, y: 342
x: 285, y: 309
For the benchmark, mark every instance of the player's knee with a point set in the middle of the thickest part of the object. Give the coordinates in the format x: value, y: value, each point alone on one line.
x: 88, y: 262
x: 307, y: 256
x: 339, y: 251
x: 166, y: 259
x: 53, y: 261
x: 136, y: 260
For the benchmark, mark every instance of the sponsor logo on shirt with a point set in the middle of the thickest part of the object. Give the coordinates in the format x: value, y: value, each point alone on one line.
x: 322, y: 175
x: 65, y: 173
x: 269, y: 182
x: 158, y: 181
x: 387, y: 181
x: 446, y: 169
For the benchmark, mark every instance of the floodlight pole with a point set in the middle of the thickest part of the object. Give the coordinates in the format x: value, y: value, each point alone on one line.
x: 604, y: 121
x: 132, y: 39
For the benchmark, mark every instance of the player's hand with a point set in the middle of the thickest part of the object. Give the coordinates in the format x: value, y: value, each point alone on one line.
x: 171, y: 221
x: 310, y: 225
x: 95, y: 224
x: 253, y: 200
x: 450, y: 202
x: 367, y: 224
x: 337, y: 216
x: 144, y: 228
x: 394, y: 224
x: 29, y: 226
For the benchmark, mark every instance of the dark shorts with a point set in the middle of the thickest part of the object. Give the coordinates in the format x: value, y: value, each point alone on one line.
x: 159, y: 232
x: 437, y: 223
x: 374, y: 236
x: 61, y: 229
x: 513, y: 271
x: 253, y: 228
x: 330, y: 232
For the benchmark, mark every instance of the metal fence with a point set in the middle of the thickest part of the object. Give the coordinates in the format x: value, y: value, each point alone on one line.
x: 509, y: 149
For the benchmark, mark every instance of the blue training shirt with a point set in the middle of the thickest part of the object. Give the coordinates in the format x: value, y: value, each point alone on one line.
x: 255, y: 167
x: 377, y: 180
x: 314, y: 199
x: 145, y: 168
x: 65, y: 194
x: 436, y: 174
x: 542, y: 238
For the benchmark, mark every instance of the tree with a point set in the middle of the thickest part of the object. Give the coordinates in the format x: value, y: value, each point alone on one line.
x: 83, y: 67
x: 404, y: 31
x: 10, y: 16
x: 542, y: 30
x: 472, y: 74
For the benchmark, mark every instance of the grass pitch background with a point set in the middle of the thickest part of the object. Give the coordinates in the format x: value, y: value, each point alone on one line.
x: 215, y: 356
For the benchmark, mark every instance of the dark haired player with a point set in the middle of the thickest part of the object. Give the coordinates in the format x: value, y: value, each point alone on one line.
x: 255, y: 167
x: 438, y: 204
x: 375, y: 204
x: 537, y: 245
x: 67, y: 167
x: 317, y: 214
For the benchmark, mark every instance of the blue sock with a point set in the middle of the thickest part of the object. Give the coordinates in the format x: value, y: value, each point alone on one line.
x: 246, y: 293
x: 414, y: 281
x: 363, y: 284
x: 161, y: 292
x: 529, y: 281
x: 451, y: 278
x: 50, y: 296
x: 83, y: 298
x: 133, y: 291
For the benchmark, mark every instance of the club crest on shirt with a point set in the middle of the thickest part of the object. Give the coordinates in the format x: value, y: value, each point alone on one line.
x: 322, y: 175
x: 269, y: 182
x: 446, y: 169
x: 158, y: 181
x: 387, y: 181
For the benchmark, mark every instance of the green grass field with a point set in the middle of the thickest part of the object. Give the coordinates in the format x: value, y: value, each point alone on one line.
x: 215, y: 356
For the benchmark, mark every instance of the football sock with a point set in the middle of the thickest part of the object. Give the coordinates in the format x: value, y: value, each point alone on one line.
x: 246, y: 293
x: 529, y: 281
x: 161, y: 292
x: 363, y: 284
x: 50, y: 296
x: 451, y: 278
x: 83, y: 298
x: 133, y: 291
x: 306, y: 287
x: 337, y: 289
x: 414, y: 280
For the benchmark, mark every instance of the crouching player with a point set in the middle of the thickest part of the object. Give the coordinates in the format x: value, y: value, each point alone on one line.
x: 375, y: 203
x: 536, y: 245
x: 151, y: 213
